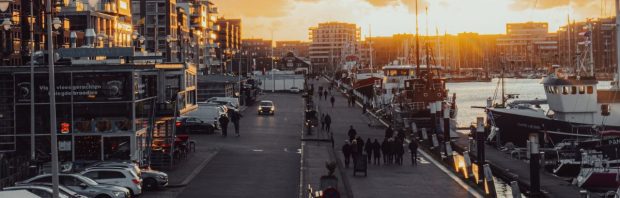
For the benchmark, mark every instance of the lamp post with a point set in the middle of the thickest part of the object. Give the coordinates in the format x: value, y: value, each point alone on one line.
x: 6, y: 26
x: 52, y: 95
x: 169, y: 42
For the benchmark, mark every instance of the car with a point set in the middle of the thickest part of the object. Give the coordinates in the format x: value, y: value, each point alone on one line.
x: 41, y: 191
x: 266, y: 107
x: 122, y: 164
x: 118, y: 176
x: 230, y: 102
x: 18, y: 193
x: 188, y: 124
x: 152, y: 179
x: 61, y: 188
x: 294, y: 90
x: 82, y: 185
x: 209, y: 113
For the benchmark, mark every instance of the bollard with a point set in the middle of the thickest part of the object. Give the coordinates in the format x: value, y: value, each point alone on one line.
x: 446, y: 125
x: 480, y: 144
x: 433, y: 110
x: 489, y: 183
x: 448, y: 151
x: 534, y: 166
x: 584, y: 194
x: 528, y: 146
x: 467, y: 166
x: 435, y: 142
x: 424, y: 134
x: 516, y: 193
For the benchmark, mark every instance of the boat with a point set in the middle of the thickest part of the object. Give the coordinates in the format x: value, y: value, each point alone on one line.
x: 571, y: 168
x: 600, y: 176
x: 577, y: 108
x: 469, y: 75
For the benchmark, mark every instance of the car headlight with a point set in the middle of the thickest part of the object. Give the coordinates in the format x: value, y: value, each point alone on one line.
x: 161, y: 177
x: 119, y: 194
x: 273, y: 108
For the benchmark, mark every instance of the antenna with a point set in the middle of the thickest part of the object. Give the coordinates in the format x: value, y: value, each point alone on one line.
x: 417, y: 41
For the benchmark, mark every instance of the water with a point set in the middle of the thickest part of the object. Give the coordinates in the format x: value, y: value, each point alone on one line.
x: 475, y: 94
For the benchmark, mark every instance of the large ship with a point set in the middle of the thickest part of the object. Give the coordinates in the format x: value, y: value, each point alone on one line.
x: 577, y: 108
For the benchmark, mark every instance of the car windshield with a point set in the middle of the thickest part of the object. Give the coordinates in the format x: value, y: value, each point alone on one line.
x: 87, y: 180
x: 265, y: 103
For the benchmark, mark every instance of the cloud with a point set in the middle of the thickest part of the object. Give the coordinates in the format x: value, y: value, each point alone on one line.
x: 410, y: 4
x: 250, y: 8
x: 549, y: 4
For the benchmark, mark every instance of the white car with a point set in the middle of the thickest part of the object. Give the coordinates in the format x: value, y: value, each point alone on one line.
x: 228, y: 101
x: 124, y: 177
x: 294, y: 90
x: 210, y: 113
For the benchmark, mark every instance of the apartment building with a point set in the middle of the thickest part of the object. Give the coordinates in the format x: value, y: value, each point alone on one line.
x: 331, y: 43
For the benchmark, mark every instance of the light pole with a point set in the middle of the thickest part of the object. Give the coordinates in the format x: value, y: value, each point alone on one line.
x: 52, y: 95
x: 169, y: 42
x: 6, y: 26
x: 32, y: 127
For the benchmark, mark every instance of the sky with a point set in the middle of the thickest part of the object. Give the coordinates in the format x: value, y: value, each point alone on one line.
x: 290, y: 19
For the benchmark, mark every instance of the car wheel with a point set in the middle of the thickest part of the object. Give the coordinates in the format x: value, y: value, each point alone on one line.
x: 210, y: 129
x: 150, y: 184
x: 103, y: 196
x: 131, y: 192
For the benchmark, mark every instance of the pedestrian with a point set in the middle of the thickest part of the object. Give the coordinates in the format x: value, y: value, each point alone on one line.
x: 325, y: 95
x: 235, y: 118
x: 346, y: 150
x: 385, y: 150
x: 389, y: 132
x: 354, y: 150
x: 322, y: 122
x: 353, y: 101
x: 413, y: 148
x: 320, y: 94
x: 400, y: 151
x: 352, y: 133
x: 328, y: 122
x: 360, y: 144
x: 376, y: 148
x: 224, y: 124
x: 400, y: 136
x: 332, y: 99
x: 368, y: 149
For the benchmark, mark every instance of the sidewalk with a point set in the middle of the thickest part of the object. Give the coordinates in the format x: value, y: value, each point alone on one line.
x: 423, y: 180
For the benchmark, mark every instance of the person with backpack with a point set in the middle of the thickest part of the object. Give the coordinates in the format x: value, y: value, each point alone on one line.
x: 368, y: 149
x: 376, y: 148
x: 346, y: 150
x: 224, y: 124
x: 328, y: 122
x: 332, y: 100
x: 413, y: 148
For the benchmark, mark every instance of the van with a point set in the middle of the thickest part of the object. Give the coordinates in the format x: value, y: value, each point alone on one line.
x: 228, y: 101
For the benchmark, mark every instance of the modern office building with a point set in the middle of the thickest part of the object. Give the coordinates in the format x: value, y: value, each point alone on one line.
x: 523, y: 43
x: 331, y: 43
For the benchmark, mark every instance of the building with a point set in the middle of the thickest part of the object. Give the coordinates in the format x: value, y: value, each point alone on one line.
x: 255, y: 54
x: 228, y: 39
x: 331, y: 42
x: 477, y: 51
x: 290, y: 62
x: 216, y: 85
x: 201, y: 19
x: 523, y: 44
x: 158, y: 23
x: 299, y: 48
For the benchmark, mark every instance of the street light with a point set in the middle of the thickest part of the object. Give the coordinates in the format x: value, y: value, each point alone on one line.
x: 56, y: 23
x: 4, y: 5
x: 6, y: 24
x: 135, y: 35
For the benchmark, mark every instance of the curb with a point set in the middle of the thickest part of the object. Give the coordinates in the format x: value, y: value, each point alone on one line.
x: 195, y: 172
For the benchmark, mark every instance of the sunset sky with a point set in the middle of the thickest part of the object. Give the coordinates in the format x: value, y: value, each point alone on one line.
x: 290, y: 19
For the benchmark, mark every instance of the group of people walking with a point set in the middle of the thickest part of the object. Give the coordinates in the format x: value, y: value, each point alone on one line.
x: 392, y: 149
x: 232, y: 116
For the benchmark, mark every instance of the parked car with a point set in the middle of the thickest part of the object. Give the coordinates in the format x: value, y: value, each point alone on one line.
x: 63, y: 190
x: 117, y: 176
x: 152, y: 179
x: 266, y: 107
x: 209, y: 113
x: 294, y: 90
x: 187, y: 124
x: 18, y: 193
x: 119, y: 164
x: 228, y: 101
x: 40, y: 191
x: 83, y: 185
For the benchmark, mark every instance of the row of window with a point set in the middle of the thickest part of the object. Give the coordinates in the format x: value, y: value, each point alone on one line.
x: 566, y: 90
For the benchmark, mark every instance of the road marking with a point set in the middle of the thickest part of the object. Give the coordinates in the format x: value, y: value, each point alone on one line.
x: 257, y: 150
x: 423, y: 160
x: 299, y: 151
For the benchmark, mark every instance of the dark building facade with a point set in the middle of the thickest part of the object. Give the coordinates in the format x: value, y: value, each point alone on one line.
x: 229, y: 42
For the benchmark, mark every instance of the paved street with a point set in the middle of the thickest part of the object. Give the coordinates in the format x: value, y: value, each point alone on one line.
x: 423, y: 180
x: 263, y: 162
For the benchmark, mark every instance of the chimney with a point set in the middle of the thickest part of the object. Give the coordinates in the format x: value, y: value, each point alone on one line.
x: 90, y: 37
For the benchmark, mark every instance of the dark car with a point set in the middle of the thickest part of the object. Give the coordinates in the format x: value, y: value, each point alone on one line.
x: 266, y: 107
x: 186, y: 125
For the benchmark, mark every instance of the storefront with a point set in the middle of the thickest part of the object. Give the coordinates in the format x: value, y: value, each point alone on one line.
x: 103, y: 112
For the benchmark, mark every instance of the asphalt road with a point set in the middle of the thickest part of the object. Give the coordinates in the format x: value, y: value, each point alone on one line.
x: 263, y: 162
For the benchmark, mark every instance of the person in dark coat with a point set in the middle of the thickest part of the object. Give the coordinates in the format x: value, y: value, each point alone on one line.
x: 320, y: 94
x: 325, y: 95
x: 368, y: 149
x: 400, y: 136
x: 235, y: 118
x: 376, y: 148
x: 385, y: 150
x: 389, y: 132
x: 413, y: 148
x: 346, y: 150
x: 354, y: 150
x: 224, y: 124
x: 328, y: 122
x: 400, y: 151
x: 322, y: 122
x: 364, y: 108
x: 352, y: 133
x: 332, y: 100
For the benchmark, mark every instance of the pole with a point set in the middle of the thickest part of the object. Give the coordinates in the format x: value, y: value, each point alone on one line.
x: 32, y: 129
x: 480, y: 147
x: 52, y: 97
x: 534, y: 166
x: 617, y: 84
x: 273, y: 89
x: 239, y: 74
x: 417, y: 41
x: 174, y: 127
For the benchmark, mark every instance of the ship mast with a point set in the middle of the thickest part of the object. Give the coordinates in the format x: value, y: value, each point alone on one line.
x: 616, y: 85
x: 417, y: 41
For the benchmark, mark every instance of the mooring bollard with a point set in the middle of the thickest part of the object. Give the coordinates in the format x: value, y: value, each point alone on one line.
x: 446, y: 125
x: 534, y: 166
x: 584, y: 194
x: 435, y: 141
x: 516, y: 193
x: 480, y: 145
x: 448, y: 151
x: 489, y: 182
x: 424, y: 134
x: 467, y: 168
x: 433, y: 112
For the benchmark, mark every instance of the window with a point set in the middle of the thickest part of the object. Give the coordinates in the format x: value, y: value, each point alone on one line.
x: 590, y: 89
x: 47, y: 179
x: 582, y: 89
x: 573, y: 90
x: 110, y: 175
x: 565, y: 90
x: 69, y: 181
x: 40, y: 193
x: 92, y: 175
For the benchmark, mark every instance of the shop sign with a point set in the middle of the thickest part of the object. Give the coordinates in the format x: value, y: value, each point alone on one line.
x: 64, y: 145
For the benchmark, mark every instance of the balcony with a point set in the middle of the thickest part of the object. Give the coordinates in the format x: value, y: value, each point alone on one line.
x: 213, y: 10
